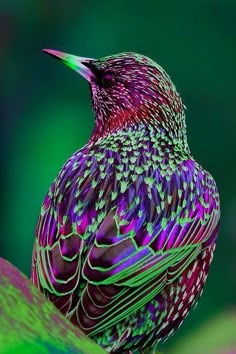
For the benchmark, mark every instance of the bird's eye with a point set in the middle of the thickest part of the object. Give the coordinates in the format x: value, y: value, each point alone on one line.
x: 107, y: 79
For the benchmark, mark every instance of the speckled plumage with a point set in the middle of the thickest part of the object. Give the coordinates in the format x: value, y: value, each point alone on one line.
x: 127, y: 230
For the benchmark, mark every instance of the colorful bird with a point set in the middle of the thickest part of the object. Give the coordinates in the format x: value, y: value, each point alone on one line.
x: 128, y: 228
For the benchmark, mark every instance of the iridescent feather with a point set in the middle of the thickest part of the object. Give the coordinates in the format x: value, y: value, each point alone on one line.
x: 127, y: 230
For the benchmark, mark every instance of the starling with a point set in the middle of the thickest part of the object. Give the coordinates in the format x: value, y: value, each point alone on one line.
x: 127, y: 231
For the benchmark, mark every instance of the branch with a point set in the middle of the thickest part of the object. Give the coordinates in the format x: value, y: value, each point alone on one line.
x: 31, y: 324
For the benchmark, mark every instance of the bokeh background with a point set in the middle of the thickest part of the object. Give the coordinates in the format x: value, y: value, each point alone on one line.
x: 46, y: 113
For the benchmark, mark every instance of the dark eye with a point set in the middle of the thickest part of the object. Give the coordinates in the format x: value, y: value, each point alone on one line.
x: 107, y: 79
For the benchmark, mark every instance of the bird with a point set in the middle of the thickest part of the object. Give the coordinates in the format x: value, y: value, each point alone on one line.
x: 128, y: 228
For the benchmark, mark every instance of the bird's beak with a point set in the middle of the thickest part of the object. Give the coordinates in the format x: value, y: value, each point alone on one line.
x: 76, y: 63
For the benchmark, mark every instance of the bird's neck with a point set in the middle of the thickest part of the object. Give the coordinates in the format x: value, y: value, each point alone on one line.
x: 106, y: 125
x: 126, y: 122
x: 139, y: 137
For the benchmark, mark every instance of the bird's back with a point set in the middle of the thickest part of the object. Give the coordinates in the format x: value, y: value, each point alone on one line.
x: 125, y: 238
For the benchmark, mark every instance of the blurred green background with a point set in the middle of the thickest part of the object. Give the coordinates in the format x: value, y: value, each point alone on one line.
x: 46, y: 112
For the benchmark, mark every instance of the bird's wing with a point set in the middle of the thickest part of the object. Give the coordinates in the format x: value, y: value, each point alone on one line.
x: 156, y: 223
x: 147, y: 242
x: 125, y: 241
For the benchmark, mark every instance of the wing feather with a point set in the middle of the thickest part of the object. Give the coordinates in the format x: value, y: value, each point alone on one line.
x: 113, y: 247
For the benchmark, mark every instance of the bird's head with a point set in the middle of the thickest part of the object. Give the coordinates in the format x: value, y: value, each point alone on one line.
x: 129, y: 90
